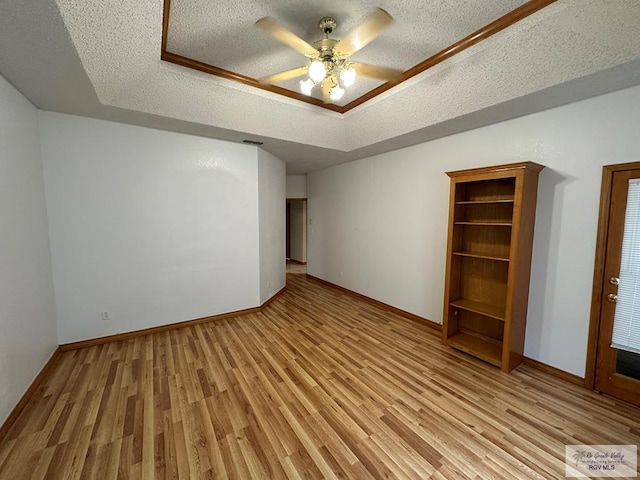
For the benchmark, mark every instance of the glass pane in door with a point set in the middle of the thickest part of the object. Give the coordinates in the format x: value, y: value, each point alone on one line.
x: 628, y: 364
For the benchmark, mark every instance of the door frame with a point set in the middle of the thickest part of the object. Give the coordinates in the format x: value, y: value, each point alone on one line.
x: 598, y: 269
x: 288, y: 232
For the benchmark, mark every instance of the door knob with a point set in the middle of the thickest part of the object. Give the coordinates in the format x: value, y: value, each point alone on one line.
x: 612, y: 297
x: 614, y: 281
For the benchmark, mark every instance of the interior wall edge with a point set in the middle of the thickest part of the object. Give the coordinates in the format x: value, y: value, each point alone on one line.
x: 379, y: 304
x: 543, y: 367
x: 378, y: 224
x: 65, y: 347
x: 146, y: 225
x: 5, y: 427
x: 28, y: 319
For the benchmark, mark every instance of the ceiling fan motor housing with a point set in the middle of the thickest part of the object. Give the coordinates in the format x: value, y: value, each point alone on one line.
x: 325, y: 47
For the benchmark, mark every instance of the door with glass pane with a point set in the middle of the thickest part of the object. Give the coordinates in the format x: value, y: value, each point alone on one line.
x: 618, y: 354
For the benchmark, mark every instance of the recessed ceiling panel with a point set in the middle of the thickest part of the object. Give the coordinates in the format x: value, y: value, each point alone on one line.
x: 224, y: 35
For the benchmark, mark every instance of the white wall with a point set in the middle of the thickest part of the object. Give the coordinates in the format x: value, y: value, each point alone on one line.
x: 150, y: 226
x: 298, y: 231
x: 271, y: 199
x: 296, y: 186
x: 27, y: 308
x: 378, y: 225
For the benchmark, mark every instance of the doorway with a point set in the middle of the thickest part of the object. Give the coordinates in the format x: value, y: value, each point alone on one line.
x: 613, y: 360
x: 296, y: 235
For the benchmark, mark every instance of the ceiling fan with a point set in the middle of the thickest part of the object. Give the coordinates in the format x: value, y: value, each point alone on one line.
x: 330, y: 65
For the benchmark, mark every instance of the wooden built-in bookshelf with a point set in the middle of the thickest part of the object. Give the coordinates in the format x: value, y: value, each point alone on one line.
x: 491, y: 222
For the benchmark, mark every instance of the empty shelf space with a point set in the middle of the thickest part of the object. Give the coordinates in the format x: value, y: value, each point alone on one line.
x: 487, y: 256
x: 479, y: 307
x: 484, y: 348
x: 486, y: 224
x: 481, y: 202
x: 489, y: 190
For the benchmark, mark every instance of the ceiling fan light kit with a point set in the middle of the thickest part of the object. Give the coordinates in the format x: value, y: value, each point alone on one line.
x: 330, y: 66
x: 348, y: 76
x: 317, y: 71
x: 306, y: 86
x: 336, y: 93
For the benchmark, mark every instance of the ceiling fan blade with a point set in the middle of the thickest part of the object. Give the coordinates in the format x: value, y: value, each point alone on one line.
x: 326, y: 90
x: 283, y: 76
x: 373, y: 71
x: 272, y: 26
x: 364, y: 33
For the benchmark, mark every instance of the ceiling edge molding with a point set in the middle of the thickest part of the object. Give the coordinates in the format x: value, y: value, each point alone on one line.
x: 469, y: 41
x: 514, y: 16
x: 237, y: 77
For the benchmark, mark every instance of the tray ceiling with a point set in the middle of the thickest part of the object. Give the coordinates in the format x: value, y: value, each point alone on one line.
x: 227, y: 39
x: 97, y: 59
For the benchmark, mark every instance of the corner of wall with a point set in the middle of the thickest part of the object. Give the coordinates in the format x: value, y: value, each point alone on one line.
x: 28, y: 329
x: 271, y: 212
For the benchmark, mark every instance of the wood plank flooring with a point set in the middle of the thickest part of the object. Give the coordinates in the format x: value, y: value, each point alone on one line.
x: 318, y: 385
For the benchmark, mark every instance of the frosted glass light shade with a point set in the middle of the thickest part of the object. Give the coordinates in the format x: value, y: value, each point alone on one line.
x: 317, y: 72
x: 348, y: 76
x: 336, y: 93
x: 306, y: 86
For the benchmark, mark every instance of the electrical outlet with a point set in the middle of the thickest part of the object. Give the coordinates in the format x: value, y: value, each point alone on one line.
x: 104, y: 315
x: 341, y: 274
x: 268, y: 283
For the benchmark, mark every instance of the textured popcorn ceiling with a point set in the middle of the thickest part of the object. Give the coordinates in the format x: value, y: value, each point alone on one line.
x: 102, y: 59
x: 227, y: 37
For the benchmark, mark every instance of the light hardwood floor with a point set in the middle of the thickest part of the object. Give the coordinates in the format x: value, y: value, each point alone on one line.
x: 318, y: 385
